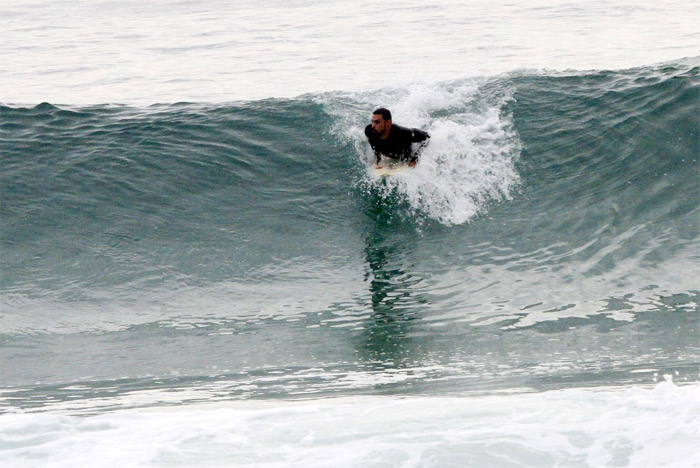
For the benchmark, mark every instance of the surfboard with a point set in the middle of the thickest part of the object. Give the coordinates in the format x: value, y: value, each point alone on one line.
x: 387, y: 169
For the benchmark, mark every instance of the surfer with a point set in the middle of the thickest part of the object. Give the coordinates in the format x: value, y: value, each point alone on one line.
x: 392, y: 140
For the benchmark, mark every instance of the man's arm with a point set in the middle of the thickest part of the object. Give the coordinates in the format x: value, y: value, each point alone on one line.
x: 418, y: 135
x: 370, y: 139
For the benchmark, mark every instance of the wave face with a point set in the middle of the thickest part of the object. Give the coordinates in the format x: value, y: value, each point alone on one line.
x: 548, y: 238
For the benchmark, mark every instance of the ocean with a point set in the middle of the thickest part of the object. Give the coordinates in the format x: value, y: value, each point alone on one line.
x: 198, y: 269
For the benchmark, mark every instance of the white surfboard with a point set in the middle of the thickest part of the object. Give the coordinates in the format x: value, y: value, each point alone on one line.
x: 387, y: 169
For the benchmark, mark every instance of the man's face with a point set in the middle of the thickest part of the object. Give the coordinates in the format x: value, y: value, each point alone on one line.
x: 379, y: 125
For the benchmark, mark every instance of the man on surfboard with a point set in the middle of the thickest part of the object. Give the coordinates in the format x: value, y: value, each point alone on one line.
x: 394, y: 141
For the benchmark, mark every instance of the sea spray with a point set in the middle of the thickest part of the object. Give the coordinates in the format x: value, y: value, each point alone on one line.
x: 470, y: 161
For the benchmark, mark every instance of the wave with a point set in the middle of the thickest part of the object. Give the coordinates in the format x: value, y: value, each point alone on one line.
x: 490, y: 137
x: 579, y: 176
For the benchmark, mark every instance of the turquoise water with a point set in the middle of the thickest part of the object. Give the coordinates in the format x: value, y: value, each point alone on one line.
x: 221, y: 282
x: 257, y: 241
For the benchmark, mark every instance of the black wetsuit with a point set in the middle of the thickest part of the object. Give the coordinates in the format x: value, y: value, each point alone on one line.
x: 397, y: 144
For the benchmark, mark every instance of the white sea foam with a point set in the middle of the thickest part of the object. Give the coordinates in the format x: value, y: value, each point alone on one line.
x: 630, y: 426
x: 469, y: 162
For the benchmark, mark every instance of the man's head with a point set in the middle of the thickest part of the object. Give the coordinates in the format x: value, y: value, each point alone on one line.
x: 381, y: 122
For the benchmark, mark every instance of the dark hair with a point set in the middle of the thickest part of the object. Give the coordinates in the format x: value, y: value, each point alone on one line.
x: 385, y: 113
